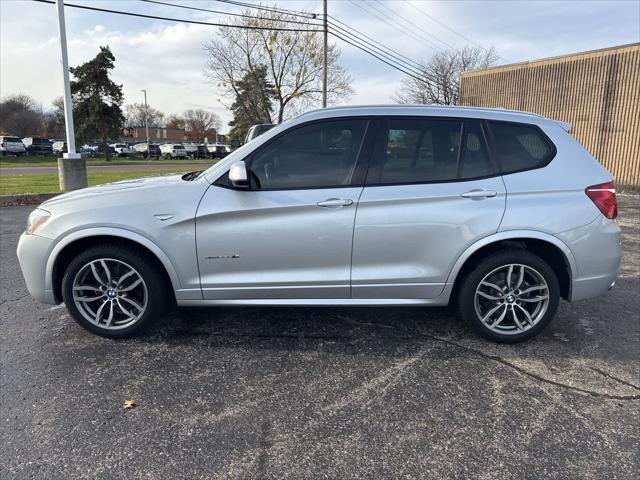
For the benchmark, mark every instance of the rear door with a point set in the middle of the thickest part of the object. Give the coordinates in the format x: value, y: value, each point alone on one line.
x: 289, y: 235
x: 432, y: 190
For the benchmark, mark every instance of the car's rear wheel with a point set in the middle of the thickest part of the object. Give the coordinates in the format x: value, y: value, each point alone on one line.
x: 509, y: 296
x: 113, y: 291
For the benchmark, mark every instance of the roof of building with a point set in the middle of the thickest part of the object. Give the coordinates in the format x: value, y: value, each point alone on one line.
x: 556, y: 59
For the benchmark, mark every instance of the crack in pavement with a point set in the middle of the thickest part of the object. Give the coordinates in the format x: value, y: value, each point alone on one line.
x: 608, y: 375
x: 13, y: 299
x: 535, y: 376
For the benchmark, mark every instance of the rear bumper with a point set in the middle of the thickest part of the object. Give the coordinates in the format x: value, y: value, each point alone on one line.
x: 597, y: 251
x: 33, y: 252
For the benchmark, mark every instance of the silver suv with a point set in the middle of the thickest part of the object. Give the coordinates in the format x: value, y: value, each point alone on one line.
x: 502, y: 213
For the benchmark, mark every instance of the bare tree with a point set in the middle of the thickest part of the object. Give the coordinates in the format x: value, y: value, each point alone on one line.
x: 440, y: 82
x: 20, y: 115
x: 134, y: 116
x: 293, y: 60
x: 199, y: 123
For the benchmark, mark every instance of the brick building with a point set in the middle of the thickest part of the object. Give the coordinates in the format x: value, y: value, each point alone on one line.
x: 597, y: 92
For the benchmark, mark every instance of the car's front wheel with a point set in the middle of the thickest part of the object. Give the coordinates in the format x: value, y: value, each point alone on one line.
x: 509, y: 296
x: 113, y: 291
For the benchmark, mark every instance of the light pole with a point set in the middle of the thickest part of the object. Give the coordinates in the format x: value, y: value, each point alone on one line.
x: 325, y: 73
x: 146, y: 119
x: 72, y: 169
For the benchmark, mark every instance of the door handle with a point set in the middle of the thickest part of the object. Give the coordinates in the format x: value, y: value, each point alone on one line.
x: 335, y: 202
x: 479, y: 193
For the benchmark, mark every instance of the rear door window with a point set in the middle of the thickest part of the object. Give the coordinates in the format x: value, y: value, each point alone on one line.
x: 417, y: 151
x: 475, y: 160
x: 520, y: 147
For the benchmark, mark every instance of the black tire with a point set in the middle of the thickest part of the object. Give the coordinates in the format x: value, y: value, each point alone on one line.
x: 466, y: 297
x: 153, y: 277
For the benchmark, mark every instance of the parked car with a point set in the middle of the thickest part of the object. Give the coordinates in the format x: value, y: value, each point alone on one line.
x: 218, y: 150
x: 173, y: 150
x: 121, y: 149
x: 89, y: 149
x: 500, y: 212
x: 148, y: 151
x: 257, y: 130
x: 59, y: 147
x: 11, y: 146
x: 102, y: 149
x: 37, y: 146
x: 191, y: 149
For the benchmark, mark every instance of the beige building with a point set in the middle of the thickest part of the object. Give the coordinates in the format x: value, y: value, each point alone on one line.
x: 597, y: 92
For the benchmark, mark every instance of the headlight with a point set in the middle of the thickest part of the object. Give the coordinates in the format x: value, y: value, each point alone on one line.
x: 36, y: 219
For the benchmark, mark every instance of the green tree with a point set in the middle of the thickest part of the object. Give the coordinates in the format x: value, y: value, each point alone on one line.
x: 253, y: 103
x: 97, y: 100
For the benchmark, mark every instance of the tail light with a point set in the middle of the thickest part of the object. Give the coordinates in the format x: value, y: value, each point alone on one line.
x: 604, y: 196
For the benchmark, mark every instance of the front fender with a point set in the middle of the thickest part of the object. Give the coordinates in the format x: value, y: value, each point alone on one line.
x: 112, y: 232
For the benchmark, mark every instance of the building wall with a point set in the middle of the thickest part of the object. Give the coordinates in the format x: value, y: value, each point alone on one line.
x: 597, y: 92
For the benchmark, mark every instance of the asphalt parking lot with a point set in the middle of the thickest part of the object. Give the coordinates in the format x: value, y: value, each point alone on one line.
x: 320, y: 392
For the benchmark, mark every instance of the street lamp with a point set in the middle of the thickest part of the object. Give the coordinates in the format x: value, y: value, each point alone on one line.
x: 146, y: 119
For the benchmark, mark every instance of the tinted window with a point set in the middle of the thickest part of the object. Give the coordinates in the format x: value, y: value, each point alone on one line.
x: 317, y: 155
x: 12, y: 140
x: 417, y: 151
x: 475, y: 157
x: 519, y: 147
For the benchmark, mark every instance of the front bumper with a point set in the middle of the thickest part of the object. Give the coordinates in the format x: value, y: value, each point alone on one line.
x: 33, y: 254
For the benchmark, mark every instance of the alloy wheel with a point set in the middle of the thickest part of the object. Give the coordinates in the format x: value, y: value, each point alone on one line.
x: 110, y: 293
x: 511, y: 299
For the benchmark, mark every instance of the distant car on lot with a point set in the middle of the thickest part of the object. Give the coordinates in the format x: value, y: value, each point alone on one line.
x: 37, y: 146
x: 191, y: 149
x: 218, y: 150
x: 11, y: 146
x: 148, y: 151
x: 121, y: 149
x: 102, y: 149
x: 59, y: 147
x: 258, y: 130
x: 501, y: 213
x: 173, y: 150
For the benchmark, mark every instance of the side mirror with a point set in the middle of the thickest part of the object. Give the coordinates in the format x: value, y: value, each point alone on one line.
x: 238, y: 175
x: 235, y: 143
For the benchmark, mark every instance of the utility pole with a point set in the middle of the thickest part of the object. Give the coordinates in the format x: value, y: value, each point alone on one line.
x: 72, y: 168
x: 146, y: 119
x: 325, y: 73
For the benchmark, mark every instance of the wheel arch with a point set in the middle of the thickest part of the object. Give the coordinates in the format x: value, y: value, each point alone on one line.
x: 65, y: 249
x: 551, y: 249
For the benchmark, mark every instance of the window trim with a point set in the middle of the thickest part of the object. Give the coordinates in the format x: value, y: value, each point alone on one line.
x: 491, y: 144
x: 358, y: 173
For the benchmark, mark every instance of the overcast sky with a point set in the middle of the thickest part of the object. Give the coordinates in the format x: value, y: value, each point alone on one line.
x: 167, y: 58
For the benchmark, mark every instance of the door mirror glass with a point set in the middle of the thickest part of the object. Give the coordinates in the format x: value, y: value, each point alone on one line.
x: 238, y: 175
x: 235, y: 143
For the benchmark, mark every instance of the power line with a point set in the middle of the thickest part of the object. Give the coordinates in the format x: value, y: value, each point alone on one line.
x: 423, y: 80
x: 169, y: 19
x: 187, y: 7
x: 269, y: 9
x: 414, y: 25
x: 401, y: 28
x: 360, y: 34
x: 449, y: 28
x: 368, y: 46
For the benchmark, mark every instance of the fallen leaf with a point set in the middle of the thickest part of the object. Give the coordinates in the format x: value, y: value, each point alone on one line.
x: 129, y: 404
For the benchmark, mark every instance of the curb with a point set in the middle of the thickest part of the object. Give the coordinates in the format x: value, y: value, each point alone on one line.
x: 33, y: 199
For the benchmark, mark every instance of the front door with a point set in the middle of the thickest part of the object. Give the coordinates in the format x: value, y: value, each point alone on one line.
x: 289, y: 234
x: 432, y: 190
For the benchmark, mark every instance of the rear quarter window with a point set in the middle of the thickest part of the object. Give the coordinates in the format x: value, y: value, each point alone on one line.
x: 520, y: 147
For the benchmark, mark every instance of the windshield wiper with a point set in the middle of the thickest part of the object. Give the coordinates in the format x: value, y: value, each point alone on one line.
x: 191, y: 175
